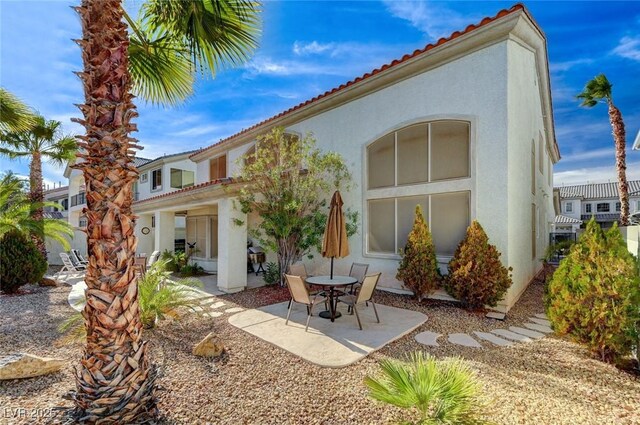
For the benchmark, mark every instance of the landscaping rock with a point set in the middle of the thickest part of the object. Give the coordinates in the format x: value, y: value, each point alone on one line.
x: 210, y: 346
x: 48, y: 281
x: 22, y: 365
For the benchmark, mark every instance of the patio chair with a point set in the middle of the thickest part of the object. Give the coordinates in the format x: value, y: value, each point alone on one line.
x: 299, y: 269
x: 69, y: 265
x: 79, y: 257
x: 364, y: 295
x: 359, y: 271
x: 300, y: 294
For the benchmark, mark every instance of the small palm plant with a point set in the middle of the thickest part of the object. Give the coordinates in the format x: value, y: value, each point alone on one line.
x: 158, y: 297
x: 443, y: 392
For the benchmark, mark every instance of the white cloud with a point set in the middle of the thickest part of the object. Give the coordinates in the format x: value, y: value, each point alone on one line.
x: 301, y: 48
x: 628, y: 47
x: 567, y: 65
x: 588, y: 155
x: 595, y: 174
x: 198, y: 130
x: 263, y: 65
x: 432, y: 18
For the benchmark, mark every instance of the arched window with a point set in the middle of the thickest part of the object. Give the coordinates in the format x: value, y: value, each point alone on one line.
x: 402, y: 167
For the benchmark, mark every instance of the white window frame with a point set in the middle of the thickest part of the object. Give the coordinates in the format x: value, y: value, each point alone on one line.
x: 588, y: 208
x: 440, y: 187
x: 568, y: 207
x: 144, y: 177
x: 157, y: 188
x: 618, y: 206
x: 603, y: 203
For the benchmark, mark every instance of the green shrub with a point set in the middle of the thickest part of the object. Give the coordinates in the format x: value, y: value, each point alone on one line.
x: 173, y: 261
x: 419, y: 268
x: 443, y: 392
x: 476, y: 274
x: 594, y: 294
x: 272, y: 273
x: 20, y: 262
x: 192, y: 269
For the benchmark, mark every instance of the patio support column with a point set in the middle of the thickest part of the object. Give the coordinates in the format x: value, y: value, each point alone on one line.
x: 232, y: 247
x: 165, y: 231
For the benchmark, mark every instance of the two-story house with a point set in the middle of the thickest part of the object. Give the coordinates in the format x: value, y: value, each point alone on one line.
x: 463, y: 127
x: 578, y: 203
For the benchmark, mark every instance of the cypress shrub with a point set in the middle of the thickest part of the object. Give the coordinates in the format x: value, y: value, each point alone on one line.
x: 476, y: 274
x: 20, y: 262
x: 594, y: 294
x: 419, y: 268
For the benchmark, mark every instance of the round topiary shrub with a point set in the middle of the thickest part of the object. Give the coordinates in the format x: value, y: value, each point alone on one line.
x: 20, y: 262
x: 476, y: 274
x: 418, y: 268
x: 594, y: 294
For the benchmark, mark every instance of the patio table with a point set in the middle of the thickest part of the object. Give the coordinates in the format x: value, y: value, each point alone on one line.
x: 330, y: 285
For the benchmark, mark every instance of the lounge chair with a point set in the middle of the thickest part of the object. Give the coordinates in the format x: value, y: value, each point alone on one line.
x: 79, y: 257
x: 69, y: 264
x: 153, y: 258
x: 300, y: 294
x: 365, y: 295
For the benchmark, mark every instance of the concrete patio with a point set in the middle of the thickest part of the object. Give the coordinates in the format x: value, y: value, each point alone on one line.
x: 328, y: 344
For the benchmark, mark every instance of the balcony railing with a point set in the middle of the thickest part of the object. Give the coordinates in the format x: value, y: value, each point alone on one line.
x: 78, y: 199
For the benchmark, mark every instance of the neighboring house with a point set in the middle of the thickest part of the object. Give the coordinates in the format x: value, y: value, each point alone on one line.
x: 59, y: 195
x: 462, y: 127
x: 578, y: 203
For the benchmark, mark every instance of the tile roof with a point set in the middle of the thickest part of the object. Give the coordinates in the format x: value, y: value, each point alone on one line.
x: 139, y: 161
x: 487, y: 20
x: 563, y: 219
x: 149, y: 161
x: 186, y: 189
x: 605, y: 217
x: 597, y: 190
x: 53, y: 214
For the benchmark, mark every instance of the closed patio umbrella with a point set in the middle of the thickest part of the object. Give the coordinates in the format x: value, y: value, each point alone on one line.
x: 335, y: 243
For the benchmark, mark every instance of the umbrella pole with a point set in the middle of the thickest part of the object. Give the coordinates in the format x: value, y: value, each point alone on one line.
x: 331, y: 268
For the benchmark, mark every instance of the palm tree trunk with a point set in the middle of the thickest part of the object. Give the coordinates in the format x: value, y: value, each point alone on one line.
x: 617, y: 126
x: 36, y: 195
x: 115, y: 381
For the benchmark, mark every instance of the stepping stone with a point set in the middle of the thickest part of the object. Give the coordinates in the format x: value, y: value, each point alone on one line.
x: 216, y: 305
x: 493, y: 339
x: 511, y: 335
x: 233, y: 310
x: 539, y: 328
x: 526, y: 332
x: 541, y: 316
x: 543, y: 322
x: 428, y: 338
x: 464, y: 340
x: 496, y: 315
x: 213, y: 314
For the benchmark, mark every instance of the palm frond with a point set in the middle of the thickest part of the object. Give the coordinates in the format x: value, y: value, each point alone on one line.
x: 216, y: 34
x: 596, y: 90
x: 14, y: 114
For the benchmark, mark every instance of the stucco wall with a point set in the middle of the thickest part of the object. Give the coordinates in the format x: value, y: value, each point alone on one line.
x: 526, y: 127
x: 144, y: 189
x: 473, y: 88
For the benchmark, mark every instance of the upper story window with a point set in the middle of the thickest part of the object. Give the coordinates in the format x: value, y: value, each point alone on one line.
x: 618, y: 206
x: 156, y: 179
x: 602, y: 207
x: 182, y: 178
x: 420, y: 153
x: 218, y: 168
x: 144, y: 177
x: 587, y: 208
x: 568, y: 207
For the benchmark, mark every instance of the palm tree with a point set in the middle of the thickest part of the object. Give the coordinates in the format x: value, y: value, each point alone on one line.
x: 42, y: 141
x: 16, y: 213
x: 14, y: 114
x: 169, y: 44
x: 597, y: 91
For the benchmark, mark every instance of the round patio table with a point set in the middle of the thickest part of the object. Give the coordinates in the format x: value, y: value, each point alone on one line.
x: 330, y: 285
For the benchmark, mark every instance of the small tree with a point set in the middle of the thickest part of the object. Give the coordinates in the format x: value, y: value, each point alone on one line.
x: 20, y: 262
x: 286, y: 181
x: 419, y: 268
x: 594, y: 294
x: 476, y: 274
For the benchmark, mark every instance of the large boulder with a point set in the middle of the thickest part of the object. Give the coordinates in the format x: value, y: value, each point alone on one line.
x: 22, y: 365
x: 210, y: 346
x: 49, y: 281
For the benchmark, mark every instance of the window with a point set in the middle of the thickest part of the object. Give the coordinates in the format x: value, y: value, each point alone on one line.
x: 533, y: 167
x: 82, y: 222
x: 602, y: 207
x: 568, y: 207
x: 144, y: 177
x: 420, y: 153
x: 541, y: 154
x: 618, y: 206
x: 156, y: 179
x: 534, y: 231
x: 218, y: 168
x: 391, y: 220
x: 587, y: 208
x: 203, y: 231
x: 181, y: 178
x: 65, y: 204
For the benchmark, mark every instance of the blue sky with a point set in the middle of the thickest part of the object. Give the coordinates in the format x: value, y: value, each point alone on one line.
x: 307, y: 48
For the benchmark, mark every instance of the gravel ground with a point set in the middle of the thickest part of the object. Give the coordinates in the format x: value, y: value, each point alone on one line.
x: 550, y: 381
